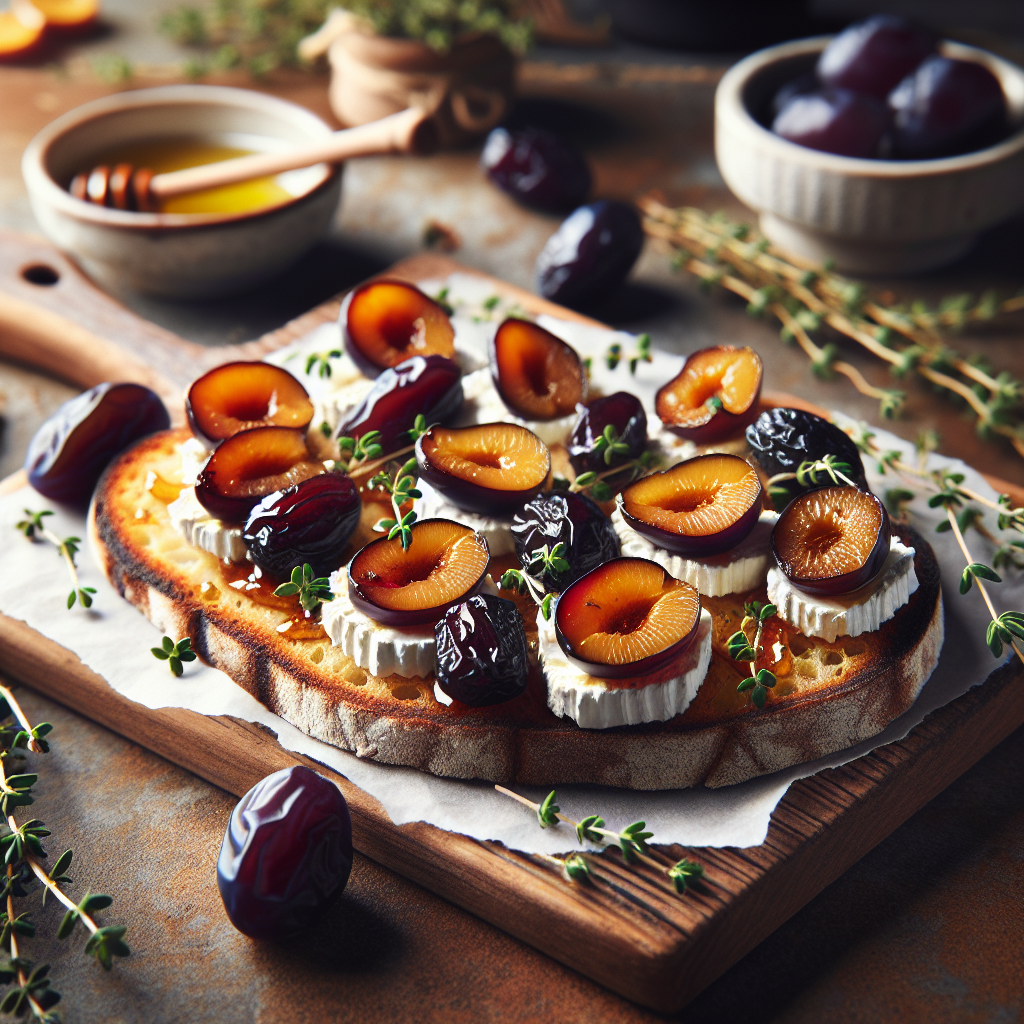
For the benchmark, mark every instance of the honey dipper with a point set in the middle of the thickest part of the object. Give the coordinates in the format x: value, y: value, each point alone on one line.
x: 125, y: 187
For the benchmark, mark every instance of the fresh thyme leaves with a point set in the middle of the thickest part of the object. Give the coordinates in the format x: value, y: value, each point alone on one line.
x: 543, y: 562
x: 174, y: 653
x: 742, y: 648
x: 631, y: 842
x: 322, y: 362
x: 400, y: 484
x: 441, y: 298
x: 642, y: 354
x: 810, y: 474
x: 35, y: 529
x: 364, y: 456
x: 608, y: 444
x: 30, y: 991
x: 312, y: 592
x: 598, y: 484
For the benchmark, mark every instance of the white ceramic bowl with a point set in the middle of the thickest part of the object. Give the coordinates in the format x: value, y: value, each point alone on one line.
x: 180, y: 255
x: 868, y: 216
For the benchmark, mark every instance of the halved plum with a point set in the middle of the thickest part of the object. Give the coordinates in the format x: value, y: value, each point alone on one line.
x: 714, y: 396
x: 249, y: 466
x: 243, y: 395
x: 699, y: 508
x: 491, y: 468
x: 627, y: 617
x: 621, y: 411
x: 538, y: 376
x: 391, y: 321
x: 832, y: 541
x: 446, y: 563
x: 427, y: 385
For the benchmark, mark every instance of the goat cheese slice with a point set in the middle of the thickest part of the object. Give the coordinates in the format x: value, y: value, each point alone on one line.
x: 203, y: 531
x: 601, y: 704
x: 741, y: 568
x: 496, y: 530
x: 863, y: 611
x: 194, y: 457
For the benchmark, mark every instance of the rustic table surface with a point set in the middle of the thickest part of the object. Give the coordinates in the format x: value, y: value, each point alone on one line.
x: 928, y: 927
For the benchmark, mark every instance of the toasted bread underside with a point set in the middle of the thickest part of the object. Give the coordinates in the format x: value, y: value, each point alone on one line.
x: 831, y: 697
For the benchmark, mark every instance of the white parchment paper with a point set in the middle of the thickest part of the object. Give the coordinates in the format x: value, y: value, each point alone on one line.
x: 114, y: 640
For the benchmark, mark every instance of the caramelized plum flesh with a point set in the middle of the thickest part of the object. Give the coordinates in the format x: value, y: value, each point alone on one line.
x: 391, y: 321
x: 240, y: 396
x: 446, y: 562
x: 714, y: 395
x: 492, y: 468
x: 538, y: 376
x: 626, y: 618
x: 699, y: 508
x: 832, y: 541
x: 251, y: 465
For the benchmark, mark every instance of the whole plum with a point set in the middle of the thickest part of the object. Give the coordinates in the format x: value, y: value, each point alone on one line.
x: 73, y: 447
x: 537, y: 167
x: 834, y: 121
x: 286, y: 855
x: 590, y: 254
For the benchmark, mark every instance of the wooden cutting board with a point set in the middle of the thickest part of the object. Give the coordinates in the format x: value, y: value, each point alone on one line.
x: 627, y: 931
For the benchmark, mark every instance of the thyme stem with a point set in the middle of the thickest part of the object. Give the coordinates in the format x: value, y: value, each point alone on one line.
x: 33, y: 743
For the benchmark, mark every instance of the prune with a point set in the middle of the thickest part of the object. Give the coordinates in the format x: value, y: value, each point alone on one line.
x: 872, y: 55
x: 590, y: 254
x: 834, y: 121
x: 537, y: 167
x: 946, y: 107
x: 481, y: 651
x: 286, y: 855
x: 72, y: 448
x: 427, y: 385
x: 621, y: 411
x: 782, y: 439
x: 564, y: 517
x: 309, y: 522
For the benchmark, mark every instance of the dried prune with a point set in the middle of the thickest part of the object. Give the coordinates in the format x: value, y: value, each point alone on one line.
x: 72, y: 448
x: 481, y: 651
x: 537, y: 167
x: 563, y: 517
x: 286, y: 855
x: 622, y: 412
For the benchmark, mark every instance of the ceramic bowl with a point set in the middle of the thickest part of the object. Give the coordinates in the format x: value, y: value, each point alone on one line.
x: 187, y: 256
x: 867, y: 216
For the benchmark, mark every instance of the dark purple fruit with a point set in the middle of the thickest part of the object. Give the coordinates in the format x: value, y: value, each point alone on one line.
x: 481, y: 651
x: 563, y: 517
x: 427, y: 385
x: 782, y: 439
x: 797, y: 87
x: 946, y: 107
x: 286, y: 855
x: 834, y: 121
x: 537, y: 167
x: 872, y: 55
x: 590, y: 254
x: 310, y: 522
x: 72, y: 448
x: 624, y: 414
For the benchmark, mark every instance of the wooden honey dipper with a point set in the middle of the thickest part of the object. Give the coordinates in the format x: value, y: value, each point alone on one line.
x: 125, y: 187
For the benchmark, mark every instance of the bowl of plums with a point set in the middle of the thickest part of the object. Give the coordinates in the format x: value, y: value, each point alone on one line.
x: 883, y: 150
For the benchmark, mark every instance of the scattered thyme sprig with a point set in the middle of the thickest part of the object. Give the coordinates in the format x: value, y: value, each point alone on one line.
x: 312, y: 592
x: 809, y: 474
x: 369, y: 448
x: 30, y: 991
x: 597, y: 483
x: 741, y: 648
x: 322, y: 361
x: 631, y: 842
x: 174, y: 653
x: 400, y: 483
x: 543, y: 562
x: 34, y: 528
x: 642, y: 354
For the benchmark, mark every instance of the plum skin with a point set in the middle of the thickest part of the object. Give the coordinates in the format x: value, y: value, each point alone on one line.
x: 286, y: 854
x: 537, y: 168
x: 621, y: 410
x: 69, y: 452
x: 834, y: 121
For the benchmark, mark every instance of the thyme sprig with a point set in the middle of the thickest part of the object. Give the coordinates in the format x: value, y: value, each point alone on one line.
x: 742, y: 648
x: 368, y: 447
x: 322, y: 362
x: 35, y: 529
x: 543, y: 562
x: 174, y: 653
x: 312, y: 592
x: 631, y: 842
x: 641, y: 354
x: 400, y: 483
x: 597, y: 484
x: 809, y: 474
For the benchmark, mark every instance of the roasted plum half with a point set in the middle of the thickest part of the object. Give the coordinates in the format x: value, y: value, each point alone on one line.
x: 563, y: 517
x: 714, y: 396
x: 446, y: 562
x: 538, y: 376
x: 699, y: 508
x: 240, y: 396
x: 481, y: 651
x: 72, y: 448
x: 424, y: 385
x: 388, y: 322
x: 310, y: 522
x: 492, y: 468
x: 622, y: 412
x: 627, y: 617
x: 251, y: 465
x: 832, y: 541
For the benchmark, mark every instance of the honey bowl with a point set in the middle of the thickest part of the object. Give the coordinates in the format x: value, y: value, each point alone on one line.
x: 201, y: 246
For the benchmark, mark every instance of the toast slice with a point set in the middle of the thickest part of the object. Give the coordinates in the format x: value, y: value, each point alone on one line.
x: 833, y: 696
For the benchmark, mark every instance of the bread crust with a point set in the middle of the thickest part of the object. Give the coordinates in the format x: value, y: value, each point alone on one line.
x: 835, y: 695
